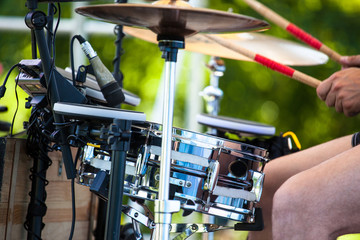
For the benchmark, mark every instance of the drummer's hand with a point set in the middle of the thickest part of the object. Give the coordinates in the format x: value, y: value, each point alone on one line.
x: 350, y: 61
x: 342, y: 90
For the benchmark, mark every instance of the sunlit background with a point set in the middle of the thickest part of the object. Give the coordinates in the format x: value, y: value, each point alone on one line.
x: 251, y: 91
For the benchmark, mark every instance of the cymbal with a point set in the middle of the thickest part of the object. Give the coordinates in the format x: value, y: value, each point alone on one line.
x: 277, y: 49
x: 172, y: 20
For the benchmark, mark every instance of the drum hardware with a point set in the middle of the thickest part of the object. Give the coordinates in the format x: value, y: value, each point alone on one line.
x: 176, y: 181
x: 228, y: 206
x: 200, y: 227
x: 212, y: 94
x: 212, y: 175
x: 188, y: 231
x: 141, y: 163
x: 139, y: 217
x: 171, y: 24
x: 119, y: 139
x: 257, y: 225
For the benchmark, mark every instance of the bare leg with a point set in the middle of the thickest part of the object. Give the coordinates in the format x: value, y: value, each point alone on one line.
x: 320, y: 203
x: 281, y: 169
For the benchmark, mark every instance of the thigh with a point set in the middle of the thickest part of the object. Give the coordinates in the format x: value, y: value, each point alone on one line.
x: 328, y: 194
x: 279, y: 170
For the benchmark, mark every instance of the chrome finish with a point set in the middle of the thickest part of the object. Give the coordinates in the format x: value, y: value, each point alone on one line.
x: 188, y: 231
x: 162, y: 217
x: 232, y: 196
x: 138, y: 216
x: 212, y: 176
x: 175, y: 181
x: 202, y: 227
x: 137, y: 230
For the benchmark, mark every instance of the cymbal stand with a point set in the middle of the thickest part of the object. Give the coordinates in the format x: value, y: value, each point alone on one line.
x: 212, y: 94
x: 119, y: 50
x: 163, y: 206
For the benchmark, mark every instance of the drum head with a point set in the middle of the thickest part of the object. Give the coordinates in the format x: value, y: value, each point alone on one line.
x: 238, y: 126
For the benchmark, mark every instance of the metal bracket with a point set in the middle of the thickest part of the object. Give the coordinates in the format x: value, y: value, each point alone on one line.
x: 176, y: 181
x: 190, y: 230
x: 138, y: 216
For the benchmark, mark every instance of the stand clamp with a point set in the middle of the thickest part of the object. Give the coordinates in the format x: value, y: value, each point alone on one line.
x: 164, y: 209
x: 36, y: 20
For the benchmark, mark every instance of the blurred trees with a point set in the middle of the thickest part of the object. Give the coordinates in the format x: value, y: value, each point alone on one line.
x: 251, y: 91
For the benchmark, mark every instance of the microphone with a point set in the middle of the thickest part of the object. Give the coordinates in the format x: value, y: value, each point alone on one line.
x: 109, y: 87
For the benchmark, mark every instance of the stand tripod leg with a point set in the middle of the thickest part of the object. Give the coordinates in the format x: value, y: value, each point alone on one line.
x: 120, y: 140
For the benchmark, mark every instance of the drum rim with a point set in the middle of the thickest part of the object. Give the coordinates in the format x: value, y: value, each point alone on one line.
x: 263, y: 151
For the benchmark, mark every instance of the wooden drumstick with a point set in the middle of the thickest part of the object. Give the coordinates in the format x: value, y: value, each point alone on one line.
x: 293, y: 29
x: 285, y: 70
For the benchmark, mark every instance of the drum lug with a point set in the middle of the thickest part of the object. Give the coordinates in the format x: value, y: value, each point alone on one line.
x: 212, y: 176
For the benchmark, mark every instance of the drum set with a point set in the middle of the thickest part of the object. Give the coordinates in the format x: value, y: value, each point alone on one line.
x: 121, y: 153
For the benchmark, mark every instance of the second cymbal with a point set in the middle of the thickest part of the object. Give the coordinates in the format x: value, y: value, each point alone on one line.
x: 280, y: 50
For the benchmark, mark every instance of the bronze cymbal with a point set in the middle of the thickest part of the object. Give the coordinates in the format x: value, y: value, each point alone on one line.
x: 172, y: 20
x: 283, y: 51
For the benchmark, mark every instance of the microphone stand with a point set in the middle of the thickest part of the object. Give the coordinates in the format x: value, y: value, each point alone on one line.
x: 59, y: 90
x: 103, y: 205
x: 119, y: 50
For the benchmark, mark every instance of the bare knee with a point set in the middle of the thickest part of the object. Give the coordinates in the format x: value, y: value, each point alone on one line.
x: 289, y: 215
x: 285, y: 205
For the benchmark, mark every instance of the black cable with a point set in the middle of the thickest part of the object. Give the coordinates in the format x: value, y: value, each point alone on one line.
x: 3, y: 88
x: 72, y: 59
x: 80, y: 39
x: 17, y: 107
x: 52, y: 66
x: 73, y: 197
x: 37, y: 146
x: 73, y: 208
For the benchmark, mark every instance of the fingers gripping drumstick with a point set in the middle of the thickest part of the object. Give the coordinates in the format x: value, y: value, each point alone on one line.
x: 288, y: 71
x: 293, y: 29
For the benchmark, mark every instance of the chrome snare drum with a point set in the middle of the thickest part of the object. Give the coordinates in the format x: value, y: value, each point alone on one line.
x: 209, y: 174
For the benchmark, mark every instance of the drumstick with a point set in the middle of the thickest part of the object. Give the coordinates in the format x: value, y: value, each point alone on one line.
x: 293, y: 29
x: 285, y: 70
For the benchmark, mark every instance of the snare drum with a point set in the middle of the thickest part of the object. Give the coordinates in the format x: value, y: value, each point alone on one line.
x: 209, y: 174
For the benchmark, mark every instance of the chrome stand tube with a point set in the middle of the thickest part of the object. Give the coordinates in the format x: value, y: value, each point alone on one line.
x: 163, y: 206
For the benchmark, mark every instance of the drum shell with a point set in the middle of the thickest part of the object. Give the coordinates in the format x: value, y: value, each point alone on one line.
x: 191, y: 154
